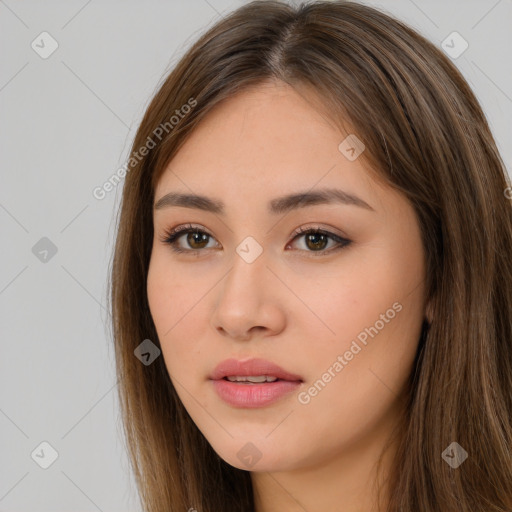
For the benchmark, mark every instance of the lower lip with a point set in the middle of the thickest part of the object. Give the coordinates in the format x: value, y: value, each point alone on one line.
x: 253, y: 395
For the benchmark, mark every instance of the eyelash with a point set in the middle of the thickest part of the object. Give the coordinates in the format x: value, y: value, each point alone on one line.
x: 171, y: 238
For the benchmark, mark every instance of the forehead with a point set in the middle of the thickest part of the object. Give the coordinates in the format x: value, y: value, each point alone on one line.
x: 270, y: 136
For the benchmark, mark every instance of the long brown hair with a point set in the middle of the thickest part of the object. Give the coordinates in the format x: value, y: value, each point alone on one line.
x: 426, y: 135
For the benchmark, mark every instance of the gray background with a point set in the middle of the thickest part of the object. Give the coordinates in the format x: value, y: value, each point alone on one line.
x: 66, y: 126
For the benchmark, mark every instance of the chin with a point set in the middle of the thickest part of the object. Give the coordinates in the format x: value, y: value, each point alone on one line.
x: 260, y: 454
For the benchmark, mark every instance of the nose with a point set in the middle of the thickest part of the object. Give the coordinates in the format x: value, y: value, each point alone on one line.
x: 249, y: 301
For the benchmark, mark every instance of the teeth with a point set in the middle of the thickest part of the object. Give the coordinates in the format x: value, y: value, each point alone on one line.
x: 255, y: 379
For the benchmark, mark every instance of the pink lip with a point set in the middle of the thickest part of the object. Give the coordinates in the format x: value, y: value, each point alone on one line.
x: 252, y: 395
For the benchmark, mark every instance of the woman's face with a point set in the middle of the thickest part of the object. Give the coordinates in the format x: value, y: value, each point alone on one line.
x: 343, y: 318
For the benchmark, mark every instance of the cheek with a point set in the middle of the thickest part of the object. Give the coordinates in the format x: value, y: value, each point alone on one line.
x: 177, y: 306
x: 354, y: 382
x: 369, y: 331
x: 343, y: 298
x: 370, y: 313
x: 171, y: 294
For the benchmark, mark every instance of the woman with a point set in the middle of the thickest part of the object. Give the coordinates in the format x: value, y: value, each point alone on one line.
x: 313, y: 270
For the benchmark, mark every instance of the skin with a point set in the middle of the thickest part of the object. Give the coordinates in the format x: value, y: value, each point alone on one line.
x: 291, y: 305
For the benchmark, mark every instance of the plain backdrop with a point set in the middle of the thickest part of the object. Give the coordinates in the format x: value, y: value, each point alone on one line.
x: 67, y: 121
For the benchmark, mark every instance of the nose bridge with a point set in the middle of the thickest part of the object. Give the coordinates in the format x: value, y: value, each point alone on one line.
x: 248, y: 268
x: 243, y: 300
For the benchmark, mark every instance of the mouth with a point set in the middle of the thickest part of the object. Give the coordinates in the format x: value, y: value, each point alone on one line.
x: 252, y: 383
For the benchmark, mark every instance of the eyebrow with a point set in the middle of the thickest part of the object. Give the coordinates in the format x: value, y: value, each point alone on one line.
x: 276, y: 206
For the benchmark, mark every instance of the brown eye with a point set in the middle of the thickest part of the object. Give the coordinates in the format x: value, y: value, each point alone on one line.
x: 316, y: 240
x: 196, y: 239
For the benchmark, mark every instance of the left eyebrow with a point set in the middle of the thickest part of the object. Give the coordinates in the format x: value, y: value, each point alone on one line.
x: 275, y: 206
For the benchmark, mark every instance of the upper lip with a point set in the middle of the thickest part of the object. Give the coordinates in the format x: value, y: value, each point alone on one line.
x: 255, y: 367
